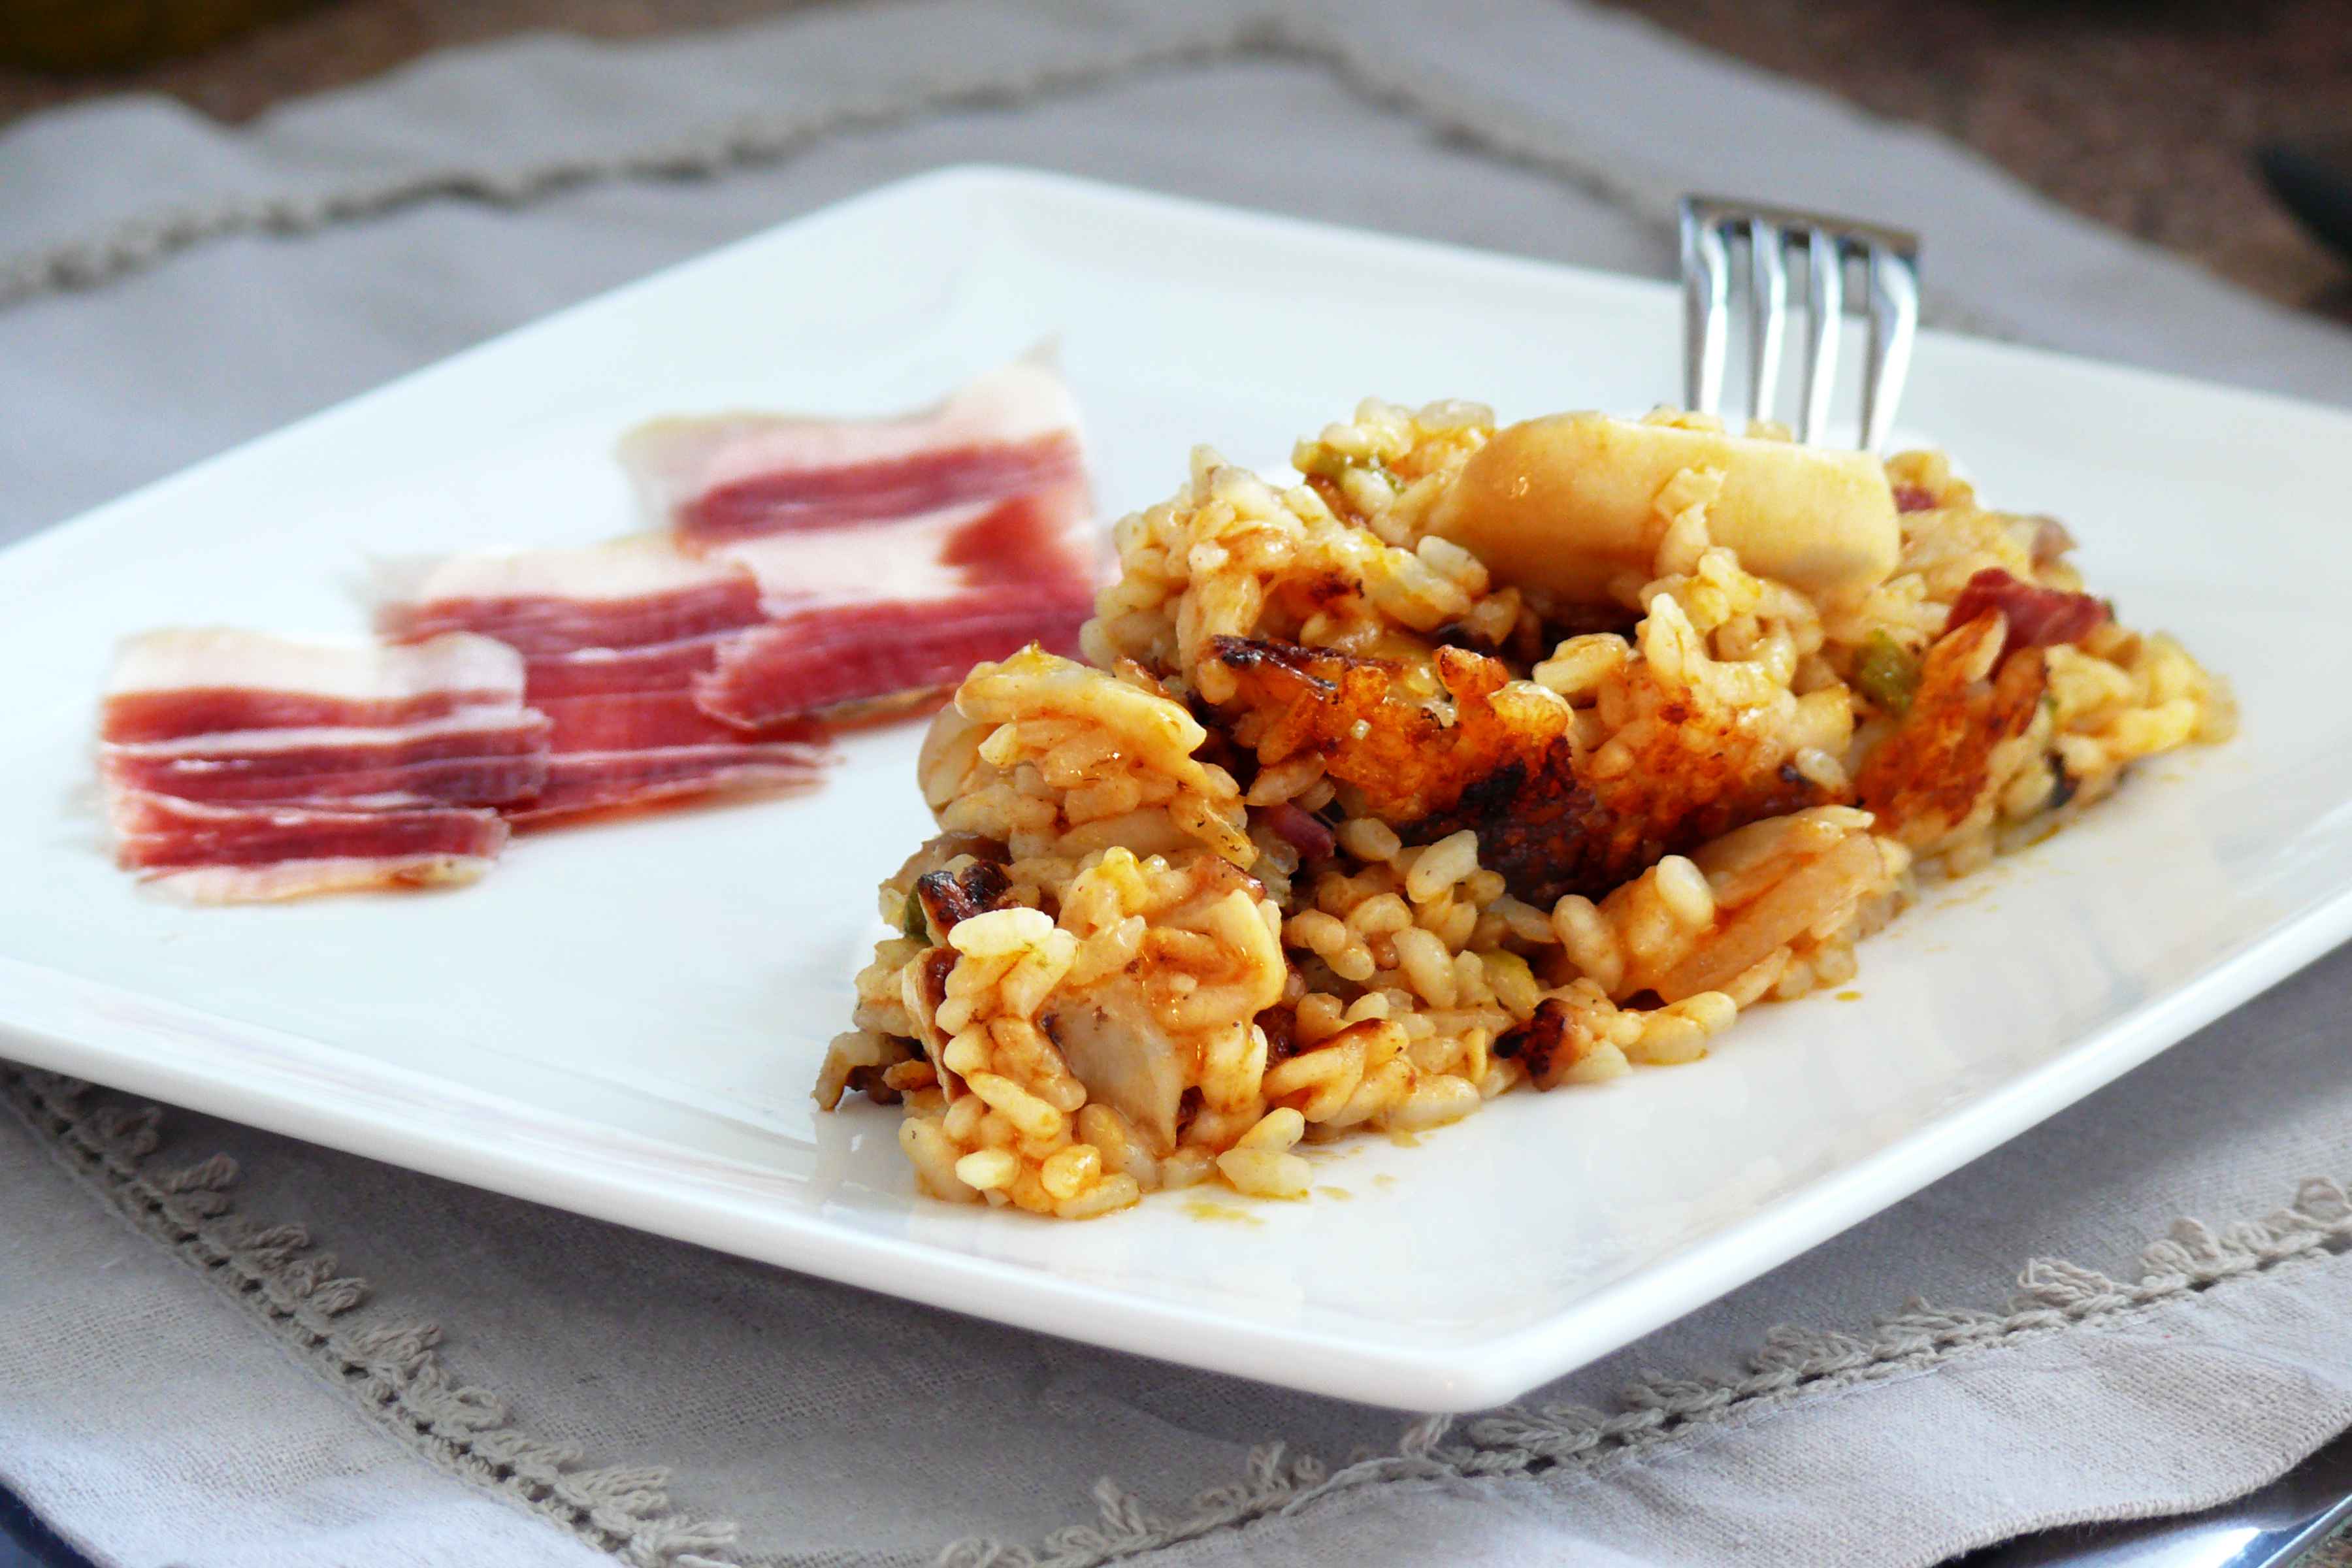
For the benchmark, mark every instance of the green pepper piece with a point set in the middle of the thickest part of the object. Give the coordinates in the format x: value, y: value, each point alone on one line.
x: 1887, y: 673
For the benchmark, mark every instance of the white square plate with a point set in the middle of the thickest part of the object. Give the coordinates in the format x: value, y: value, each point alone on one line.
x: 624, y: 1019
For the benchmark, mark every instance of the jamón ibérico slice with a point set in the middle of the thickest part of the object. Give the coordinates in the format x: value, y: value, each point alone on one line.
x: 718, y: 481
x: 645, y: 721
x: 2038, y: 617
x: 464, y: 761
x: 238, y: 854
x: 241, y: 766
x: 842, y: 659
x: 1045, y: 539
x: 613, y: 637
x: 891, y: 555
x: 239, y: 717
x: 629, y: 593
x: 171, y: 685
x: 601, y: 781
x: 620, y: 671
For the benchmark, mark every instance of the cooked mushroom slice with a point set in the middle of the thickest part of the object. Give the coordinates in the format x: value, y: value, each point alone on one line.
x: 1113, y: 1045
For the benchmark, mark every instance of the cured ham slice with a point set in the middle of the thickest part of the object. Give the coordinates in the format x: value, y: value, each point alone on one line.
x: 241, y: 766
x: 638, y: 593
x: 628, y: 748
x: 217, y: 855
x: 601, y: 781
x: 466, y: 763
x: 858, y: 659
x: 2038, y: 617
x: 1042, y: 541
x: 171, y: 685
x: 232, y: 717
x: 890, y: 555
x: 599, y: 671
x: 802, y: 569
x: 613, y: 637
x: 747, y: 476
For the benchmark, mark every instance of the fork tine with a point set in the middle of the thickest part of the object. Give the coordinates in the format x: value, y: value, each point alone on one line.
x: 1825, y: 307
x: 1712, y: 227
x: 1706, y: 285
x: 1893, y: 323
x: 1767, y: 272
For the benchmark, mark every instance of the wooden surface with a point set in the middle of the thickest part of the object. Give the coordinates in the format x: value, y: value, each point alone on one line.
x: 2140, y: 113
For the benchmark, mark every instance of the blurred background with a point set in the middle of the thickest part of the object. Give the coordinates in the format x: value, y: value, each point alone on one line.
x: 2219, y: 129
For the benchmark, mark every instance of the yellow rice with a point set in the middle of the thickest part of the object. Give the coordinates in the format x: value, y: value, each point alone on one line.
x: 1138, y: 891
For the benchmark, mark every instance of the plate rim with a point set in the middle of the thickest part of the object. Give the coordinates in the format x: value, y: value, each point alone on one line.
x: 1450, y: 1375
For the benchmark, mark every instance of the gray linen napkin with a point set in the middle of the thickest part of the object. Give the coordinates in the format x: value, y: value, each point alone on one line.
x: 202, y: 1388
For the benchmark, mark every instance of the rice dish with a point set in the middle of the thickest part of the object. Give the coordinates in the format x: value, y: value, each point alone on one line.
x: 1474, y: 759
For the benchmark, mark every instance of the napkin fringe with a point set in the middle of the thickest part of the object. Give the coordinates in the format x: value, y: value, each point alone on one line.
x: 1793, y: 1365
x: 1288, y: 33
x: 391, y: 1368
x: 139, y: 243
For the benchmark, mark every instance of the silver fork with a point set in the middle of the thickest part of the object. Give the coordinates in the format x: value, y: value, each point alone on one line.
x: 1713, y: 226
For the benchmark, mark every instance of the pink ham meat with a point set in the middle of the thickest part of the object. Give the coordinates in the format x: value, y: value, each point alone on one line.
x: 2038, y: 617
x: 891, y: 555
x: 240, y: 766
x: 630, y: 594
x: 225, y: 855
x: 861, y: 660
x: 451, y: 762
x: 730, y: 477
x: 626, y: 748
x: 612, y: 638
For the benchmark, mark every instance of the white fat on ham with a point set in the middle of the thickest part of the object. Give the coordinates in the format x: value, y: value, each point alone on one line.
x: 240, y: 766
x: 486, y: 720
x: 234, y: 854
x: 897, y: 560
x: 626, y: 593
x: 224, y: 659
x: 636, y: 566
x: 675, y: 461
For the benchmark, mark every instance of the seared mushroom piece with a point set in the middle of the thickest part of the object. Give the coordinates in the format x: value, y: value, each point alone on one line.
x: 949, y: 898
x: 1113, y: 1045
